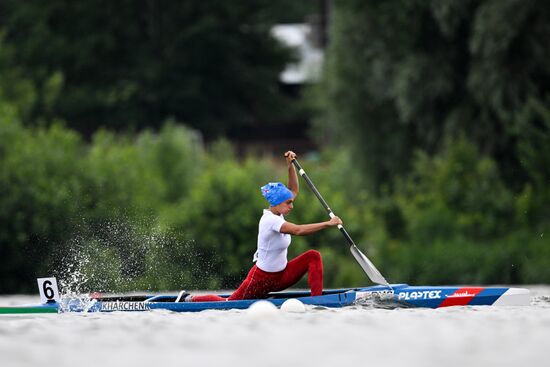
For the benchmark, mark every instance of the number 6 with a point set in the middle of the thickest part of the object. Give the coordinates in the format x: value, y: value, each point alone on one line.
x: 48, y: 289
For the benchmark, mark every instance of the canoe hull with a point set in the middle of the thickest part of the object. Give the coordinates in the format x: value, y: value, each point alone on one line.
x: 396, y: 294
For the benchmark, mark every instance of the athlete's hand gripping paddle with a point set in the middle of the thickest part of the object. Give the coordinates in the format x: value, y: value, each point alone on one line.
x: 365, y: 263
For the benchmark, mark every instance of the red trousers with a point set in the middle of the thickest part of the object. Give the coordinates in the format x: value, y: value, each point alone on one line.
x: 259, y: 283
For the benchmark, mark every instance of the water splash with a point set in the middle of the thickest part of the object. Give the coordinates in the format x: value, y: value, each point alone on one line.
x: 119, y: 256
x: 72, y: 279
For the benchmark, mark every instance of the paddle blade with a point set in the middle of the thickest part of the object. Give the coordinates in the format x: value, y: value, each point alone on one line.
x: 369, y: 268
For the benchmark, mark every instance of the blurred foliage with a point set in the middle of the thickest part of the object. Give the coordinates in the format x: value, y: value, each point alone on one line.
x: 402, y: 75
x: 457, y: 193
x: 40, y: 175
x: 462, y: 223
x: 437, y: 113
x: 157, y: 211
x: 133, y: 64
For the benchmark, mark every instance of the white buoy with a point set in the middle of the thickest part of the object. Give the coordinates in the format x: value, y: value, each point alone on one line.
x: 262, y: 309
x: 293, y: 305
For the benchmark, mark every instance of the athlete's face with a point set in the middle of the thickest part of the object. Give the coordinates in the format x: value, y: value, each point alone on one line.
x: 285, y: 207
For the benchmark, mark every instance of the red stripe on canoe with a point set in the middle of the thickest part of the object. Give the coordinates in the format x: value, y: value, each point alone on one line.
x: 461, y: 296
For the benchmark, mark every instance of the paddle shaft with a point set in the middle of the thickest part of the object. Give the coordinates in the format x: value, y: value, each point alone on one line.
x: 323, y: 202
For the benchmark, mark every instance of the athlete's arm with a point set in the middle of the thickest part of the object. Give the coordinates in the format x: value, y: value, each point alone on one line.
x: 305, y: 229
x: 293, y: 184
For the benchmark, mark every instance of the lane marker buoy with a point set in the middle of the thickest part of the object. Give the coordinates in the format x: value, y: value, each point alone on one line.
x: 293, y: 305
x: 261, y: 309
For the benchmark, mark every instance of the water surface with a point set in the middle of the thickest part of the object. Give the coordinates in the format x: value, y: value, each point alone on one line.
x: 358, y: 335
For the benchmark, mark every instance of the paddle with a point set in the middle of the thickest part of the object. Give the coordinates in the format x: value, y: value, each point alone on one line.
x: 365, y: 263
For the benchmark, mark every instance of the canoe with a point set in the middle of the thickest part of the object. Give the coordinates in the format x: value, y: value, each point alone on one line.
x: 397, y: 295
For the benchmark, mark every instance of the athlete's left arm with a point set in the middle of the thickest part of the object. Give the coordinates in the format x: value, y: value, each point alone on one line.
x: 306, y: 229
x: 293, y: 184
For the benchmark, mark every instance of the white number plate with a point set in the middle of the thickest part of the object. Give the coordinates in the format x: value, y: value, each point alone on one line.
x: 48, y: 289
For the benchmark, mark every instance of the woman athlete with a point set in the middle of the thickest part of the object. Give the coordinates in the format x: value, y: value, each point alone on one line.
x: 271, y: 271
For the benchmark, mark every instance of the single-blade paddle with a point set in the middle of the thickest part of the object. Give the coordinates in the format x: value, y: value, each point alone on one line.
x: 369, y: 268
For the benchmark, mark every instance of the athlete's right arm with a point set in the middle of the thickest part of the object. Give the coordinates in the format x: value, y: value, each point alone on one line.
x: 305, y: 229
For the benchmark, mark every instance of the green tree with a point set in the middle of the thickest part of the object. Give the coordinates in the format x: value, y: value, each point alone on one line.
x: 458, y: 193
x: 132, y: 64
x: 401, y: 75
x: 41, y: 183
x: 533, y: 149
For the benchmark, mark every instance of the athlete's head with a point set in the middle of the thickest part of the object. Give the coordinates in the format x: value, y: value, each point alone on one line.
x: 276, y: 193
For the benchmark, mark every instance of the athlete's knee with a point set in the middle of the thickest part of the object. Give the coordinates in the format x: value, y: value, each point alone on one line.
x: 314, y: 255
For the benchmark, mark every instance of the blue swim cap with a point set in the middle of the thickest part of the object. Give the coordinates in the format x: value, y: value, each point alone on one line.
x: 276, y: 193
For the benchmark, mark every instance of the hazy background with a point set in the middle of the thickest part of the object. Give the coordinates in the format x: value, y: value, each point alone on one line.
x: 134, y: 137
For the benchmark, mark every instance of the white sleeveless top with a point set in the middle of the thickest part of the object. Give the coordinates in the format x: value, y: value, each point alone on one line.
x: 272, y: 244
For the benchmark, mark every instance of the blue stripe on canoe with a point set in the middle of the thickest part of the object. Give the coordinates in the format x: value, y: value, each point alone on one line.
x: 488, y: 296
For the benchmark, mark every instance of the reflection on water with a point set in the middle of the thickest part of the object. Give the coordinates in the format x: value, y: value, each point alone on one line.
x: 379, y: 301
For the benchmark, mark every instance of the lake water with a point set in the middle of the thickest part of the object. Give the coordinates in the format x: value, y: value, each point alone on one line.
x: 358, y: 336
